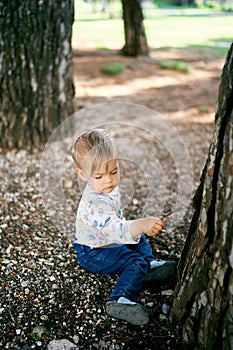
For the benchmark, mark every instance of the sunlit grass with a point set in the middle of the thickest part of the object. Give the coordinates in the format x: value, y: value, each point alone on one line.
x: 183, y: 29
x: 102, y: 33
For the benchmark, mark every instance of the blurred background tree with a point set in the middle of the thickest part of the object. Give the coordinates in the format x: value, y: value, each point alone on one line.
x: 135, y: 36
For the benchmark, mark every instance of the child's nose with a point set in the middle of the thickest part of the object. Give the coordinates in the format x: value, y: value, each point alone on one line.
x: 109, y: 178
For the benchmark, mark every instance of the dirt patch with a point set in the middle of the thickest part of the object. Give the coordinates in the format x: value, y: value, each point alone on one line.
x: 143, y: 82
x: 187, y: 100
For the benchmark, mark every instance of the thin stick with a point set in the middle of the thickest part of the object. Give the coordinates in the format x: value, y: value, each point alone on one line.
x: 9, y: 305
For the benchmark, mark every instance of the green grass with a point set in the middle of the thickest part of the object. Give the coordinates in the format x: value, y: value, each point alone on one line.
x: 113, y: 68
x: 175, y: 65
x: 187, y: 28
x: 101, y: 33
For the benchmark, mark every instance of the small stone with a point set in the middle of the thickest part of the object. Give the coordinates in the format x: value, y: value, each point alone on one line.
x: 151, y: 304
x: 44, y: 317
x: 8, y: 250
x: 21, y: 154
x: 61, y: 344
x: 162, y: 317
x: 102, y: 343
x: 25, y: 227
x: 165, y: 308
x: 164, y: 252
x: 39, y: 332
x: 67, y: 184
x: 167, y: 292
x: 76, y: 339
x: 24, y: 284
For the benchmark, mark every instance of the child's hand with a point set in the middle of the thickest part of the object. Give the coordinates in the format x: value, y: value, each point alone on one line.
x: 155, y: 227
x: 151, y: 226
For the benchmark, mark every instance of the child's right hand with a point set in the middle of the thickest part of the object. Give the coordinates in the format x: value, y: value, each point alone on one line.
x: 155, y: 225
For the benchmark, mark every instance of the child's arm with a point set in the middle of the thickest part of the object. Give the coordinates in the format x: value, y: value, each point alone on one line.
x: 104, y: 225
x: 151, y: 226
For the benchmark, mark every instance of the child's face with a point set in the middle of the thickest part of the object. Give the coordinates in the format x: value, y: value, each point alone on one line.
x: 104, y: 179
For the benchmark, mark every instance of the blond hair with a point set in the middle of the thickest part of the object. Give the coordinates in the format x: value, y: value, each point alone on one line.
x: 97, y: 145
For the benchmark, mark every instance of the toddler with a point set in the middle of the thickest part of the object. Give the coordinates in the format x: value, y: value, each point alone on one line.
x: 105, y: 241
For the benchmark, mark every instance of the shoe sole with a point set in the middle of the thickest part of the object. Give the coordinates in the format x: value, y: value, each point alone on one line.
x: 135, y: 314
x: 162, y: 273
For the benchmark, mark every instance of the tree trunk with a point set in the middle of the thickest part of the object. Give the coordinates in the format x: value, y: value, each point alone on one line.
x: 203, y: 300
x: 135, y: 37
x: 36, y: 90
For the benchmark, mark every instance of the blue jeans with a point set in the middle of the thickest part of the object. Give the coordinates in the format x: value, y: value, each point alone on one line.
x: 130, y: 262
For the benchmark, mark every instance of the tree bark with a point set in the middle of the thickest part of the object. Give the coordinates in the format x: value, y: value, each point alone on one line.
x: 135, y: 36
x: 203, y: 299
x: 36, y: 90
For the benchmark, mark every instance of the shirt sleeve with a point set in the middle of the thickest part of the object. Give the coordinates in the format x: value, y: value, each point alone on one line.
x: 110, y: 225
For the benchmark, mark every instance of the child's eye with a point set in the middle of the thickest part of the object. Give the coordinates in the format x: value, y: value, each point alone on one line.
x: 114, y: 172
x: 98, y: 177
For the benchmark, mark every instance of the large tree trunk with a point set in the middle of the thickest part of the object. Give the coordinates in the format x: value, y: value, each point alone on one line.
x: 36, y: 87
x: 203, y: 301
x: 135, y: 37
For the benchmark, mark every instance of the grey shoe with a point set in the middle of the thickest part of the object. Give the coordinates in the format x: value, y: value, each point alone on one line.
x: 162, y: 272
x: 131, y: 312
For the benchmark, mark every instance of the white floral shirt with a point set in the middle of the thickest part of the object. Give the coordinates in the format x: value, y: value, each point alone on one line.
x: 100, y: 221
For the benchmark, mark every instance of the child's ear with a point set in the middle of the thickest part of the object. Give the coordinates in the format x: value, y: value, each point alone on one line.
x: 81, y: 174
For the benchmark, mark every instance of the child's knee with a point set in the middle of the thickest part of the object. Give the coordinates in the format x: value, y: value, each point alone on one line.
x: 145, y: 266
x: 142, y: 265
